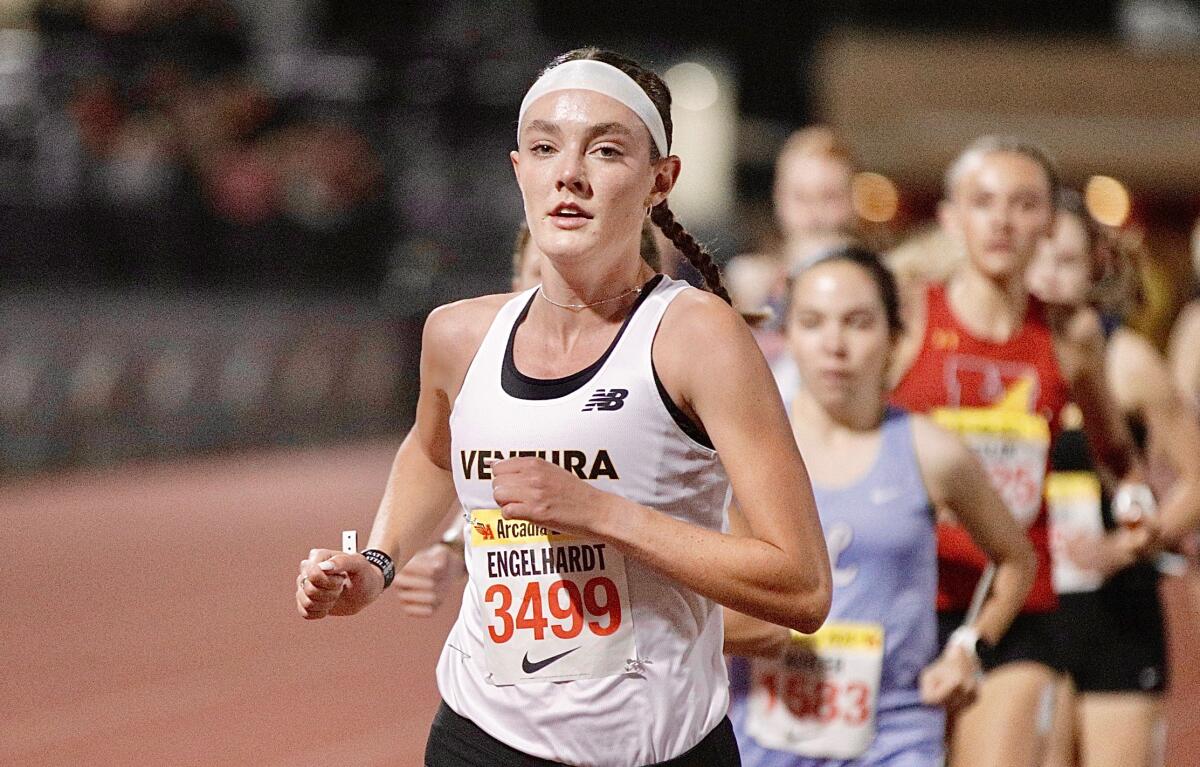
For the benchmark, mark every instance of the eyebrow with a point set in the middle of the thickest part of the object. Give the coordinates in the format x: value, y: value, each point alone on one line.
x: 545, y: 126
x: 598, y: 129
x: 611, y: 127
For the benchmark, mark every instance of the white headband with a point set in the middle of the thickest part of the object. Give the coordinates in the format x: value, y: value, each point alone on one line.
x: 592, y: 75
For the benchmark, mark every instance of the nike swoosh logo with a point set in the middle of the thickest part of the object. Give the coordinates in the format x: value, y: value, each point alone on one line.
x: 533, y: 668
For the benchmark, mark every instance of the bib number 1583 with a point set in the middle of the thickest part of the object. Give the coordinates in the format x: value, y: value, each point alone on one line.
x: 826, y: 701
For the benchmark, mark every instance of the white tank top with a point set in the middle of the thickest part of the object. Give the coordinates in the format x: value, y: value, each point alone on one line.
x: 563, y: 648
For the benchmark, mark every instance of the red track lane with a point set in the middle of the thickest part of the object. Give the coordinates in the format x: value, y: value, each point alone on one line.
x: 149, y: 619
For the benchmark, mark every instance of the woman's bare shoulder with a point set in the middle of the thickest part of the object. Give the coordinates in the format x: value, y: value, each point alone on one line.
x: 453, y: 332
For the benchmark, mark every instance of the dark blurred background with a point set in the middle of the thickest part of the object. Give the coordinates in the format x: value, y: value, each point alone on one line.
x: 222, y: 222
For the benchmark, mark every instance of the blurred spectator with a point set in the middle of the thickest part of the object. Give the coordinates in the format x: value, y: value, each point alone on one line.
x: 814, y: 211
x: 193, y: 173
x: 812, y: 185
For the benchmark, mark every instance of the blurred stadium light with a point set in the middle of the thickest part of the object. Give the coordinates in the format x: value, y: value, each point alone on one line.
x: 704, y: 95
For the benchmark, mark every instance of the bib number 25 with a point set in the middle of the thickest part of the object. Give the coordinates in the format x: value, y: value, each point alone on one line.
x: 597, y: 606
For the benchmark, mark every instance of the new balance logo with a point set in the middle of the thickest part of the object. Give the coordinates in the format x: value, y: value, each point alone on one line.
x: 612, y: 399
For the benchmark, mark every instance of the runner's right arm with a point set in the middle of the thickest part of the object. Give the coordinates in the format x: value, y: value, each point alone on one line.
x: 1081, y: 350
x: 1146, y: 388
x: 1183, y: 352
x: 1081, y: 353
x: 420, y: 487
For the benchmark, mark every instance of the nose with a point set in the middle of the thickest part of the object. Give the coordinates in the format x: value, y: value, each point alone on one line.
x: 572, y: 173
x: 833, y: 340
x: 1002, y: 217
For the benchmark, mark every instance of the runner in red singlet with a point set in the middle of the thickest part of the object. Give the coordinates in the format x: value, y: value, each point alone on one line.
x: 982, y: 359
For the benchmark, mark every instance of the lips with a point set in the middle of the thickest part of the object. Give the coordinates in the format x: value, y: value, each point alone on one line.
x: 835, y: 376
x: 568, y: 215
x: 569, y: 210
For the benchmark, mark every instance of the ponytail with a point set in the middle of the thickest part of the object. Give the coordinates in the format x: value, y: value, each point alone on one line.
x: 664, y: 219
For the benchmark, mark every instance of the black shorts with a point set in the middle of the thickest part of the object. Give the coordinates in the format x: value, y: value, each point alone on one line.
x: 1030, y: 638
x: 455, y: 741
x: 1114, y: 640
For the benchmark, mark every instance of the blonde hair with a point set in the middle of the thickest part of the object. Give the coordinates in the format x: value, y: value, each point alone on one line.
x: 985, y: 145
x: 815, y: 141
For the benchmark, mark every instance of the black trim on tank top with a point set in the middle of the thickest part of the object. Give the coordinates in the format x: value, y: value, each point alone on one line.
x: 690, y: 427
x: 517, y: 384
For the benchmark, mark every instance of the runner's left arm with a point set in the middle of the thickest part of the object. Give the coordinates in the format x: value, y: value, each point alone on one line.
x: 746, y: 636
x: 956, y: 481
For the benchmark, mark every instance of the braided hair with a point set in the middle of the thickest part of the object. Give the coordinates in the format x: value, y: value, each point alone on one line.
x: 660, y: 214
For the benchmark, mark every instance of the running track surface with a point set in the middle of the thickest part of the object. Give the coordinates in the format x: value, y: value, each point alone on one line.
x: 148, y: 618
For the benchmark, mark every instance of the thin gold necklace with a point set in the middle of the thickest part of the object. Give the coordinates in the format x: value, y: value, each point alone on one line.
x: 581, y: 307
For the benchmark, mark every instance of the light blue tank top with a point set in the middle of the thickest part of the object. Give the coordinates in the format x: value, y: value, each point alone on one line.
x: 883, y: 549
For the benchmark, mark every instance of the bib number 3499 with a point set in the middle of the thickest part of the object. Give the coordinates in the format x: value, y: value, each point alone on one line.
x: 553, y: 607
x: 596, y: 606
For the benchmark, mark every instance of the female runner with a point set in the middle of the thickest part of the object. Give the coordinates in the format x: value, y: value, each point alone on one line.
x: 593, y: 458
x: 867, y: 690
x: 981, y: 357
x: 1110, y: 622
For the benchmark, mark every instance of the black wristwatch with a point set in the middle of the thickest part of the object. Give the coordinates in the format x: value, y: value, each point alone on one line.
x: 383, y: 562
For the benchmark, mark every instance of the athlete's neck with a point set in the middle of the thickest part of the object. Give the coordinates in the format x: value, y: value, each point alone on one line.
x: 583, y: 282
x: 828, y: 421
x: 562, y: 331
x: 839, y: 447
x: 991, y: 309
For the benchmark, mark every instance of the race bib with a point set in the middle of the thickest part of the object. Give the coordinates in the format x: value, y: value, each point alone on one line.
x: 555, y: 607
x: 1074, y: 501
x: 1012, y: 445
x: 821, y: 698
